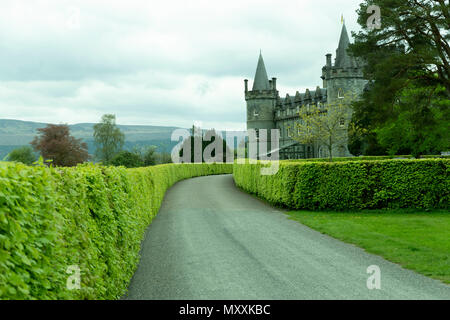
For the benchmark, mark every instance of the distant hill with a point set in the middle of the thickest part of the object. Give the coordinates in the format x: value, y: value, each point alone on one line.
x: 17, y: 133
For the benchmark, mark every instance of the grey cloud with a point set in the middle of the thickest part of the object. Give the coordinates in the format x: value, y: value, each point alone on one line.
x: 154, y: 62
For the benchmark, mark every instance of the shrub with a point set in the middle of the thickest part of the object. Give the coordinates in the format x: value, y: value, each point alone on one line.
x: 90, y: 216
x: 127, y: 159
x: 22, y: 154
x: 346, y: 185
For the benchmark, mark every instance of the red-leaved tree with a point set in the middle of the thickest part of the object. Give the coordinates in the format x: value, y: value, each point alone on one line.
x: 55, y: 143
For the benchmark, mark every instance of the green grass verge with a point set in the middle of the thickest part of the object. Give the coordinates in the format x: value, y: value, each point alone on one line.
x: 416, y: 240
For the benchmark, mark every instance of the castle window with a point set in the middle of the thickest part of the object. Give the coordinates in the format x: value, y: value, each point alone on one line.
x: 255, y: 113
x: 340, y: 94
x: 342, y: 122
x: 257, y: 134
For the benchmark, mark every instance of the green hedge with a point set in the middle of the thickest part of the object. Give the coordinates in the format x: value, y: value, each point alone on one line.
x: 90, y: 216
x: 367, y: 158
x: 351, y: 185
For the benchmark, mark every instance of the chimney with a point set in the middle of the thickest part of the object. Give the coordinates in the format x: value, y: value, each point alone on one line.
x: 274, y: 83
x: 270, y: 85
x: 246, y: 85
x: 328, y: 59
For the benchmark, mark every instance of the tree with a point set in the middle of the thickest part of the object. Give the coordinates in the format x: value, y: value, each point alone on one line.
x: 324, y: 126
x: 127, y: 159
x: 405, y: 108
x: 208, y: 142
x: 108, y: 138
x: 55, y: 143
x: 23, y: 154
x: 163, y: 157
x: 420, y: 124
x: 148, y: 155
x: 412, y: 44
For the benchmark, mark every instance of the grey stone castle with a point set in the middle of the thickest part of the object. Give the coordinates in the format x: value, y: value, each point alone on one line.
x: 267, y: 110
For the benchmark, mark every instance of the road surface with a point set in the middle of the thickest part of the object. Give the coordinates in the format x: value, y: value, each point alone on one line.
x: 212, y: 241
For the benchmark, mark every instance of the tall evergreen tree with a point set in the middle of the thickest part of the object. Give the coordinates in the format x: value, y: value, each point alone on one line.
x: 405, y: 109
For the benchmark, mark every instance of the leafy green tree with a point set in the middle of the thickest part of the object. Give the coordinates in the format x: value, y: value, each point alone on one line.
x: 127, y: 159
x: 108, y: 138
x: 22, y: 154
x: 420, y: 124
x: 325, y: 126
x: 405, y: 109
x: 55, y: 143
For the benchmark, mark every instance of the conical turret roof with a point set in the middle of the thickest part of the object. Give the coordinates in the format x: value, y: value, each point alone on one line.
x: 261, y: 81
x: 343, y: 59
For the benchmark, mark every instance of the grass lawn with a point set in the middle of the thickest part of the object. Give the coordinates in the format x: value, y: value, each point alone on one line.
x: 416, y: 240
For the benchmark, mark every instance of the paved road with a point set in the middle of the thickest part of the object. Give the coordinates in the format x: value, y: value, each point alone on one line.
x: 212, y: 241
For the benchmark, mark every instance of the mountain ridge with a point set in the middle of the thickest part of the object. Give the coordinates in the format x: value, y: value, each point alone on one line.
x: 16, y: 133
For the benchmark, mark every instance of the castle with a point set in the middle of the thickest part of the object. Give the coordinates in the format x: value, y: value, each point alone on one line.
x: 266, y: 110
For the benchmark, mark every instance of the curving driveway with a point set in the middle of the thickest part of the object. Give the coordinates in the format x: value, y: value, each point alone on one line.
x: 212, y: 241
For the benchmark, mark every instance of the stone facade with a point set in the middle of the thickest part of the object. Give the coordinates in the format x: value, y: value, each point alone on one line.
x: 266, y: 110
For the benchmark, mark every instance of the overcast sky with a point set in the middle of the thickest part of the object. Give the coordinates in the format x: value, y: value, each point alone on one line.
x: 158, y: 62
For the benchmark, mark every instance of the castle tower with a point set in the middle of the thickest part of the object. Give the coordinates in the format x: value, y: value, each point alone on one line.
x: 261, y: 101
x: 345, y: 77
x: 344, y: 82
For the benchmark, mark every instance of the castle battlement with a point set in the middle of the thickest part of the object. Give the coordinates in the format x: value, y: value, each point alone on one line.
x: 261, y: 94
x: 333, y: 72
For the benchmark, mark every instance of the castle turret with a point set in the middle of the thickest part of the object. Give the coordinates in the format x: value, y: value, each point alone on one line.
x: 345, y: 77
x: 261, y: 100
x: 344, y: 82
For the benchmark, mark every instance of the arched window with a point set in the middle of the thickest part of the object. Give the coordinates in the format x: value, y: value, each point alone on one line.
x: 340, y: 94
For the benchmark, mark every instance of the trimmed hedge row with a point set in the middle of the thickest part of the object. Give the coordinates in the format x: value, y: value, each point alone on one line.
x: 351, y: 184
x: 368, y: 158
x: 90, y: 216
